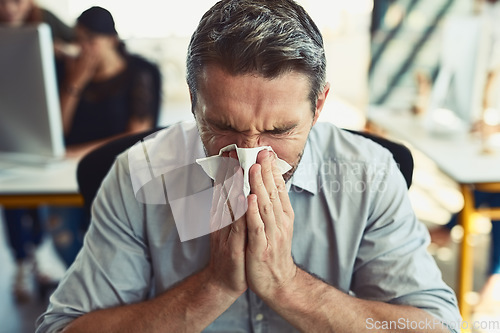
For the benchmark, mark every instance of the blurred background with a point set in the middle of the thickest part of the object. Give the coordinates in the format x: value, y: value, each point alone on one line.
x: 382, y: 54
x: 161, y: 31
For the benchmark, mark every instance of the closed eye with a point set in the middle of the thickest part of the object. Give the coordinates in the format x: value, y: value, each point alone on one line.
x: 282, y: 130
x: 220, y: 126
x: 225, y: 128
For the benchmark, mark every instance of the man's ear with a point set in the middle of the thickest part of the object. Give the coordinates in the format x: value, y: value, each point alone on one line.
x: 321, y: 102
x: 191, y: 98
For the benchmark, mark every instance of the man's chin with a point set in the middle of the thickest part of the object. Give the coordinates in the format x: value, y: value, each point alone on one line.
x: 288, y: 175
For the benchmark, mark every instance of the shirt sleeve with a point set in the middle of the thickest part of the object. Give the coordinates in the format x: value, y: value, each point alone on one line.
x: 393, y: 264
x: 113, y: 267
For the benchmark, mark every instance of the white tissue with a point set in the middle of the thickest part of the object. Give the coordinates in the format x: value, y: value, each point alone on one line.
x: 246, y: 156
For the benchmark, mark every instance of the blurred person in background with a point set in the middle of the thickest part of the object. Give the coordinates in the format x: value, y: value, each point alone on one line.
x: 106, y: 92
x: 24, y: 226
x: 16, y: 13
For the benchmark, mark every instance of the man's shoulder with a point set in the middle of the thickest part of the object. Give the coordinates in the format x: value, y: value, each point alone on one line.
x: 339, y: 144
x: 143, y: 165
x: 177, y: 143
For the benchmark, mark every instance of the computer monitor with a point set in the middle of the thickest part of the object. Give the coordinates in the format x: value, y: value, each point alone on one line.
x: 459, y: 87
x: 30, y: 115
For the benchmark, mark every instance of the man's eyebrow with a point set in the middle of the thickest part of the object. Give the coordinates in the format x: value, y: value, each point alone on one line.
x: 277, y: 129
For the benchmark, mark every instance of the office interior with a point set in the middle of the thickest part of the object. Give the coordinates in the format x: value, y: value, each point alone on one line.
x: 381, y: 55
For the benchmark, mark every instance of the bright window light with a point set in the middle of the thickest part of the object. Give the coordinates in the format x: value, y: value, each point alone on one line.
x: 160, y: 18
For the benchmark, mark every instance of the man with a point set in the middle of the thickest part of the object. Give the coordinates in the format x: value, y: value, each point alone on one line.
x: 256, y: 74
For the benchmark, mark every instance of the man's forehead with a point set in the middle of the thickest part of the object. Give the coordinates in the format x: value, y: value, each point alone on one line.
x: 215, y: 82
x: 212, y: 71
x: 228, y: 98
x: 224, y: 119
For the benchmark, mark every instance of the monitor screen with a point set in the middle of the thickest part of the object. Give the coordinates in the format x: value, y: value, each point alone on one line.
x: 459, y: 86
x: 30, y: 115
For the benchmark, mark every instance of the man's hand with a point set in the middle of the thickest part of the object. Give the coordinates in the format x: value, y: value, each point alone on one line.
x: 269, y: 263
x: 227, y: 241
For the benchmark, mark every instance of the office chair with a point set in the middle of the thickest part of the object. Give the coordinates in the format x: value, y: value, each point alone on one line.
x: 94, y: 166
x: 400, y: 153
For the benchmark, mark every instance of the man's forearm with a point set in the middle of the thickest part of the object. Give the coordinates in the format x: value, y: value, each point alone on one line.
x: 314, y: 306
x: 188, y: 307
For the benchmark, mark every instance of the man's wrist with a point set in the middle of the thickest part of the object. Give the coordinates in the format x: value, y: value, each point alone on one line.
x: 287, y: 291
x: 216, y: 287
x: 301, y: 288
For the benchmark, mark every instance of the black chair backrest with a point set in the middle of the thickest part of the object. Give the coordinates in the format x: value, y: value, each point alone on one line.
x: 94, y: 166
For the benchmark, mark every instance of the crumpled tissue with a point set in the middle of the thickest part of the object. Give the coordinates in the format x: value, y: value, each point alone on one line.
x: 246, y: 157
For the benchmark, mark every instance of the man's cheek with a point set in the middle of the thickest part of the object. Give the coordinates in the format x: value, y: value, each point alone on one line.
x: 284, y: 150
x: 214, y: 143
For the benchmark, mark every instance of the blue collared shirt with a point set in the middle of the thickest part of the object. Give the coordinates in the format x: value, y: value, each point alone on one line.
x: 354, y: 228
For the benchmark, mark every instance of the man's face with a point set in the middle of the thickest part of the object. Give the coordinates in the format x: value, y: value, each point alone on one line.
x: 251, y: 111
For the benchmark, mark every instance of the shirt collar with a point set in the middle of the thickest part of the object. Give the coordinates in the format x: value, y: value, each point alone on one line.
x: 306, y: 175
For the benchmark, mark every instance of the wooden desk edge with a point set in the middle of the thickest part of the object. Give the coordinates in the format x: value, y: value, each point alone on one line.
x: 35, y: 200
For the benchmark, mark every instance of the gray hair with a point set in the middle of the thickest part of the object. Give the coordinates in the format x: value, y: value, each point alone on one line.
x: 269, y: 37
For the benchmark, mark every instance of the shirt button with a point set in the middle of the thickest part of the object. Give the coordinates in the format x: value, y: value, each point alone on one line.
x: 259, y: 317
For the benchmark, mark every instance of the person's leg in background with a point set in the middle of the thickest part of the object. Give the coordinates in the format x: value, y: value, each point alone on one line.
x: 24, y: 231
x: 67, y: 226
x: 38, y: 266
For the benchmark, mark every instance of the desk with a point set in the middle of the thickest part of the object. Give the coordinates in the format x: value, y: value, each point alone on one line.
x: 460, y: 157
x: 31, y: 186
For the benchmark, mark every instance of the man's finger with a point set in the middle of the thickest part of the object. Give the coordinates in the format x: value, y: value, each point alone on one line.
x: 236, y: 191
x: 219, y: 196
x: 265, y: 206
x: 257, y: 239
x: 237, y: 233
x: 266, y: 160
x: 286, y: 205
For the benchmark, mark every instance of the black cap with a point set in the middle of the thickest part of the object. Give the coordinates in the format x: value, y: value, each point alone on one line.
x: 98, y: 20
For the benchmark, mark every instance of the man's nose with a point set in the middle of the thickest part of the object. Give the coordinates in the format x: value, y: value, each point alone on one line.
x: 249, y: 141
